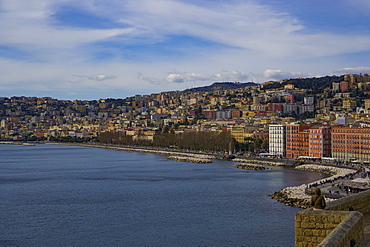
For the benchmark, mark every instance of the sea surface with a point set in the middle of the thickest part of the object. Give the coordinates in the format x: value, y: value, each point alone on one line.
x: 56, y: 195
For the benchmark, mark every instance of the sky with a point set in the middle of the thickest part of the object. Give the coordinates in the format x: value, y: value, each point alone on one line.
x: 97, y: 49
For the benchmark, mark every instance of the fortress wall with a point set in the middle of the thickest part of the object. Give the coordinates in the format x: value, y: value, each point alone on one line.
x: 341, y: 224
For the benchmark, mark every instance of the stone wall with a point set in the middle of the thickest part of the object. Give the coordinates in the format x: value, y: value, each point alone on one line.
x: 348, y: 232
x: 358, y: 202
x: 336, y: 226
x: 319, y: 227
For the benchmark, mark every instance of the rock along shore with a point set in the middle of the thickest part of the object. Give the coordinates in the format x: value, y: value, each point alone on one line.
x: 262, y: 162
x: 248, y: 166
x: 191, y: 156
x: 296, y: 196
x: 194, y: 159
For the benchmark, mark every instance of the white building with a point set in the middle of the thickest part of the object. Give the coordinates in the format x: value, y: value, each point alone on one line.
x: 223, y: 114
x: 309, y: 100
x: 277, y: 139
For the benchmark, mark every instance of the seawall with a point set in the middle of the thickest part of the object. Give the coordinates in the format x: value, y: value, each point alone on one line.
x: 296, y: 196
x: 340, y: 225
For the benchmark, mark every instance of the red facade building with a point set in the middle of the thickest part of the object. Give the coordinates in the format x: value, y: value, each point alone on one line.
x: 320, y: 141
x: 351, y: 143
x: 297, y: 140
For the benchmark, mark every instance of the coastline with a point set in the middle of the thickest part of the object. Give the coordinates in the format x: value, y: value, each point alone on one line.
x: 140, y: 149
x: 296, y: 196
x: 115, y: 178
x: 291, y: 196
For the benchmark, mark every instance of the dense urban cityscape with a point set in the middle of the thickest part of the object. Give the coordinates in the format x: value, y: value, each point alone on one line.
x: 313, y: 117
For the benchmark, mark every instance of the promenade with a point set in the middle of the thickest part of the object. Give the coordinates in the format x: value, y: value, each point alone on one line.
x: 337, y: 189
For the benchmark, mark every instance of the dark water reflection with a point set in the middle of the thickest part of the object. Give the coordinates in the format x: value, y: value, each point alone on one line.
x: 75, y: 196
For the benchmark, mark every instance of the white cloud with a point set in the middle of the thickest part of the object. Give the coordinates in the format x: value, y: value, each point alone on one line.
x: 357, y: 70
x: 234, y: 75
x: 28, y: 26
x: 228, y: 76
x: 97, y: 77
x: 177, y: 78
x: 252, y: 37
x: 277, y: 74
x: 247, y: 25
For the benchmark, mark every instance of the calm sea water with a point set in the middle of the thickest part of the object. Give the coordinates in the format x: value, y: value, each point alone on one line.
x: 76, y: 196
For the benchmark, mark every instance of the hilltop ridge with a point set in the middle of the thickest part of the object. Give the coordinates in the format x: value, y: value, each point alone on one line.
x: 220, y: 86
x: 314, y: 84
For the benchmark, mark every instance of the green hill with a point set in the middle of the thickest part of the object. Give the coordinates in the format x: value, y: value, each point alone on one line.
x: 220, y: 86
x: 315, y: 85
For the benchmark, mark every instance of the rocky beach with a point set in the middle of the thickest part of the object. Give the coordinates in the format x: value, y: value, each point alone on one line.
x: 296, y: 196
x: 187, y: 158
x: 261, y: 162
x: 248, y: 166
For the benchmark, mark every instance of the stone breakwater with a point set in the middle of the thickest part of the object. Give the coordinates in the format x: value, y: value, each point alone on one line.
x: 262, y: 162
x: 248, y: 166
x: 143, y: 150
x: 189, y: 159
x: 296, y: 196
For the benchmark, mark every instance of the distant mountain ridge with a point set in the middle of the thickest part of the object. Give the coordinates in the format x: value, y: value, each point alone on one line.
x: 220, y: 86
x: 315, y: 84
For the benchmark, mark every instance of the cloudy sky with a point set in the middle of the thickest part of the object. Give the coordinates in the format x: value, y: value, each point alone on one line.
x: 91, y: 49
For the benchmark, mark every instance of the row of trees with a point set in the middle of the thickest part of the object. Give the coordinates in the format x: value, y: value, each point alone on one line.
x: 204, y: 140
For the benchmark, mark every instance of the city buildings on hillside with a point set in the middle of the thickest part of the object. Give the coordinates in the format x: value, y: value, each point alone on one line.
x: 267, y: 111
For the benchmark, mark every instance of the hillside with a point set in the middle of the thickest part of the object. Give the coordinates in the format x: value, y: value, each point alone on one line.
x: 220, y: 86
x: 315, y: 84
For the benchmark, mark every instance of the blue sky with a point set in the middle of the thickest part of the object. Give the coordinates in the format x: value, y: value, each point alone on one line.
x: 91, y: 49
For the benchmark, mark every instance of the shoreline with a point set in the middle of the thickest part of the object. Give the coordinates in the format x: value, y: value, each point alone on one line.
x: 141, y: 150
x: 291, y: 196
x: 295, y: 196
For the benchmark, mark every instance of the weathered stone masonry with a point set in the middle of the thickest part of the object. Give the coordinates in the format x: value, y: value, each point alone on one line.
x: 338, y: 226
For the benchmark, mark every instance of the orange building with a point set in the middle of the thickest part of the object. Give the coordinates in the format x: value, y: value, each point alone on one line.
x: 350, y: 143
x: 297, y: 140
x: 275, y: 107
x: 236, y: 114
x: 320, y: 141
x: 344, y: 86
x: 209, y: 114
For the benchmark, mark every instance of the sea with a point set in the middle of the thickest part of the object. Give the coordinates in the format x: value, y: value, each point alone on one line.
x: 58, y: 195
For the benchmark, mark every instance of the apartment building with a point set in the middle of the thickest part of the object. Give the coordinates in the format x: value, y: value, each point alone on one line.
x: 297, y: 140
x: 350, y: 143
x: 277, y: 139
x: 320, y: 141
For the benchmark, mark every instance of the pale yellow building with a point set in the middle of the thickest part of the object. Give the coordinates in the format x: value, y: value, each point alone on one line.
x: 367, y: 103
x: 349, y: 104
x: 238, y: 133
